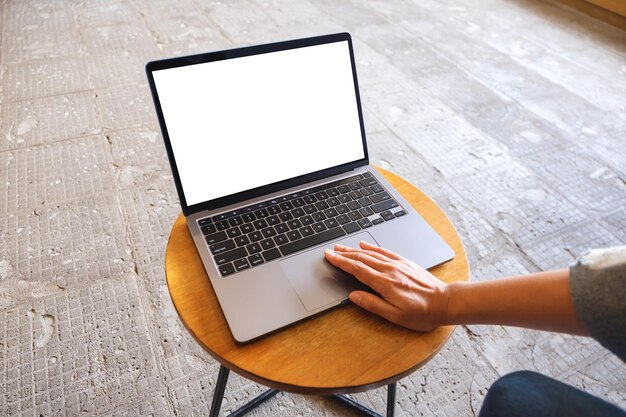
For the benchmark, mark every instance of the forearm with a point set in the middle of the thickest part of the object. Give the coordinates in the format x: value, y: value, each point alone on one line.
x: 539, y: 301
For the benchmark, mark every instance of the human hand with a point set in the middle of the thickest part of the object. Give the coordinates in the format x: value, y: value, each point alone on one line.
x: 412, y: 296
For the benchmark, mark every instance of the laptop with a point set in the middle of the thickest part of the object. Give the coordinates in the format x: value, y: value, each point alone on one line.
x: 268, y: 152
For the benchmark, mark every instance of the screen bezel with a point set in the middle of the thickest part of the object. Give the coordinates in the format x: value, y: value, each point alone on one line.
x: 238, y: 53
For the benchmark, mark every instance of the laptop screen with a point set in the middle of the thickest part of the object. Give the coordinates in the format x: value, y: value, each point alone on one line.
x: 242, y: 123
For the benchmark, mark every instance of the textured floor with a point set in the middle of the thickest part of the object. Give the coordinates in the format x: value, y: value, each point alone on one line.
x: 511, y: 114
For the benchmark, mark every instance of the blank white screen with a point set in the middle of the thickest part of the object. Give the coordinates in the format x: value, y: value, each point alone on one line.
x: 242, y: 123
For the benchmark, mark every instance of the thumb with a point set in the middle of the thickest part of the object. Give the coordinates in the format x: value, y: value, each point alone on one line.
x: 373, y: 304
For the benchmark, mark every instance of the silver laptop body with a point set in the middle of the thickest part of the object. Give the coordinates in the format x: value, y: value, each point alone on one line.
x: 267, y: 148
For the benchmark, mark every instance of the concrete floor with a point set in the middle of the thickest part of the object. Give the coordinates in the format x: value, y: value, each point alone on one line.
x: 511, y: 114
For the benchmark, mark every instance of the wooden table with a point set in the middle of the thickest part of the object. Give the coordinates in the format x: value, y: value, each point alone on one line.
x: 343, y: 350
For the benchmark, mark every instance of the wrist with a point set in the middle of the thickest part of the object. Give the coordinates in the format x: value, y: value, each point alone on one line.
x: 453, y: 312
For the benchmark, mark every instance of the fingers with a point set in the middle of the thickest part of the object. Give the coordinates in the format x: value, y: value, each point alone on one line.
x: 380, y: 253
x: 385, y: 252
x: 374, y: 304
x: 371, y: 259
x: 363, y: 272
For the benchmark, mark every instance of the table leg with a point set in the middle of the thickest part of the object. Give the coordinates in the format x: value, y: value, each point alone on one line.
x: 222, y: 379
x: 218, y: 394
x: 391, y: 399
x: 362, y: 410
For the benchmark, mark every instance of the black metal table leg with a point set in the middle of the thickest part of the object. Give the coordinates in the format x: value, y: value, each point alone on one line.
x: 218, y: 394
x: 222, y: 379
x: 254, y: 403
x: 391, y: 403
x: 391, y: 399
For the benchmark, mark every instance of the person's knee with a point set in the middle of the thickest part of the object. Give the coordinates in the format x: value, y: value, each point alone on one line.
x: 509, y: 395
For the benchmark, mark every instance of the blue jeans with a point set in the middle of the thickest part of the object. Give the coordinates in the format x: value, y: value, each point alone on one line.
x: 526, y: 394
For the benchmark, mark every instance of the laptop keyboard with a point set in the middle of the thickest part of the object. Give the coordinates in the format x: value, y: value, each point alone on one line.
x: 260, y: 233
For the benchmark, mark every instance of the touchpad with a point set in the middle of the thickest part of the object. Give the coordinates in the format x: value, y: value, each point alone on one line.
x: 316, y: 281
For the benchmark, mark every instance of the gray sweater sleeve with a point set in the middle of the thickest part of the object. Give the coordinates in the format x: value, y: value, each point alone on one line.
x: 598, y: 289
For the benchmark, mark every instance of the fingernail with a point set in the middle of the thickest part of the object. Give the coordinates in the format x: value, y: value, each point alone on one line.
x: 329, y: 252
x: 339, y: 247
x: 355, y: 297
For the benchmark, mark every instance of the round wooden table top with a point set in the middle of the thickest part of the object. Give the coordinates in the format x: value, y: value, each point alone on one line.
x: 343, y: 350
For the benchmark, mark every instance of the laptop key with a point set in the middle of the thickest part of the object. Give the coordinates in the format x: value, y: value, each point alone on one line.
x: 387, y: 215
x: 208, y: 229
x: 319, y: 227
x: 281, y: 239
x: 355, y: 215
x: 366, y: 211
x: 215, y: 237
x: 377, y: 188
x: 255, y: 259
x: 267, y: 244
x: 281, y: 228
x: 268, y: 255
x: 364, y: 223
x: 273, y: 220
x: 319, y: 216
x: 377, y: 220
x: 355, y: 185
x: 377, y: 198
x: 307, y: 231
x: 351, y: 227
x: 384, y: 205
x: 227, y: 269
x: 241, y: 264
x: 343, y: 219
x: 294, y: 224
x: 235, y: 221
x: 306, y: 220
x: 222, y: 246
x: 248, y: 217
x: 312, y: 240
x: 254, y: 248
x: 353, y: 205
x: 242, y: 240
x: 230, y: 256
x: 247, y: 228
x: 255, y: 236
x: 366, y: 191
x: 355, y: 195
x: 321, y: 205
x: 222, y: 225
x: 260, y: 214
x: 269, y: 232
x: 343, y: 189
x: 234, y: 232
x: 286, y: 216
x: 332, y: 192
x: 260, y: 224
x: 330, y: 223
x: 342, y: 209
x: 205, y: 221
x: 293, y: 235
x: 331, y: 212
x: 399, y: 213
x: 368, y: 182
x: 344, y: 198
